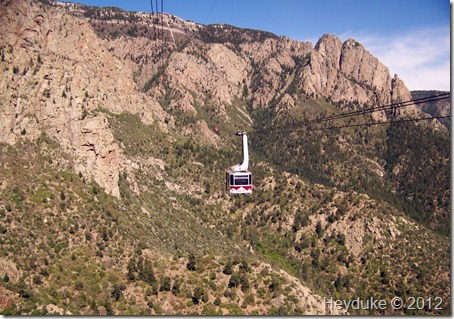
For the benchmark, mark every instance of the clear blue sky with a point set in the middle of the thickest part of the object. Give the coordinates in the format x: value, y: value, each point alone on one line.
x: 411, y: 37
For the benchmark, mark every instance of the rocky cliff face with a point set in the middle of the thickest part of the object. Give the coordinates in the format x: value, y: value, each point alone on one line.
x: 216, y: 64
x: 58, y: 74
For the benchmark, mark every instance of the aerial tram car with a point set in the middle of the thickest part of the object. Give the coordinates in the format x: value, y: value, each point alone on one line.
x: 238, y: 180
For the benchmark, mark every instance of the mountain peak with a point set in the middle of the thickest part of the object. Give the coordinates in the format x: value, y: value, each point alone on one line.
x: 328, y: 39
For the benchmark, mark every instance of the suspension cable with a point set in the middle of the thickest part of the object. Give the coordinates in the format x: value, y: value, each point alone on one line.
x: 392, y: 106
x: 154, y: 37
x: 361, y: 125
x: 162, y: 33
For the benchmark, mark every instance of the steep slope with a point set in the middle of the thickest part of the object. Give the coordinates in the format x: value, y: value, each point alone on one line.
x: 344, y: 244
x: 110, y: 163
x: 217, y: 65
x: 69, y: 248
x: 57, y: 72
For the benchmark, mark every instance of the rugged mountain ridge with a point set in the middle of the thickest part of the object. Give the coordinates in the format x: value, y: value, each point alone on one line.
x: 114, y: 128
x: 220, y: 60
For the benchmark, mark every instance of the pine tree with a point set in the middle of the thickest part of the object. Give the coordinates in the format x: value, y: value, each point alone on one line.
x: 165, y: 285
x: 228, y: 269
x: 145, y: 271
x: 191, y: 265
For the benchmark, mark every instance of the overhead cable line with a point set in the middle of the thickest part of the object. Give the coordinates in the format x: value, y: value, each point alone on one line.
x: 369, y: 110
x: 157, y: 11
x: 391, y: 106
x: 153, y: 18
x: 162, y: 31
x: 209, y: 12
x: 159, y: 34
x: 361, y: 125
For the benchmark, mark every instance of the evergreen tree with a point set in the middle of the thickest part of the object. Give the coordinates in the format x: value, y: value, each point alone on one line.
x: 146, y: 272
x: 228, y: 269
x: 166, y: 284
x: 191, y: 265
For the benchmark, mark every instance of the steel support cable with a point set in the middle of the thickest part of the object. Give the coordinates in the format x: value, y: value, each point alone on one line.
x: 162, y: 32
x: 156, y: 34
x: 302, y: 129
x: 392, y: 106
x: 369, y: 110
x: 209, y: 12
x: 157, y: 9
x: 153, y: 18
x: 382, y: 108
